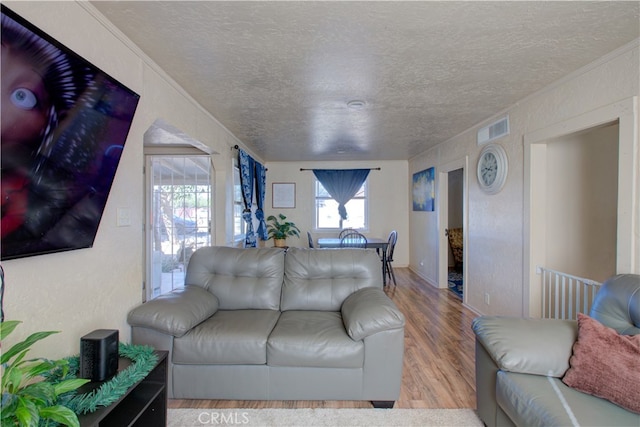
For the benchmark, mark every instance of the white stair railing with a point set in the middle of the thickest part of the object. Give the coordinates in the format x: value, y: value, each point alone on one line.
x: 565, y: 295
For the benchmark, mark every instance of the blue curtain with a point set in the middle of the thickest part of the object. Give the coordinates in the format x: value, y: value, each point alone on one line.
x: 261, y: 182
x: 247, y: 168
x: 341, y: 184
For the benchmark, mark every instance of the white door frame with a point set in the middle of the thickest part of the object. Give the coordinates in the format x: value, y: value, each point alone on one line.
x: 443, y: 219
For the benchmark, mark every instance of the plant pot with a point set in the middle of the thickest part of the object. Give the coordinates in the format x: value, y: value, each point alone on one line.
x: 280, y: 243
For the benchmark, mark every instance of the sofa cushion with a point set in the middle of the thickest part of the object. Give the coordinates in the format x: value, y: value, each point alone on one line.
x: 313, y: 339
x: 176, y: 312
x: 605, y: 364
x: 530, y: 346
x: 229, y: 337
x: 369, y: 311
x: 535, y: 400
x: 240, y: 278
x: 321, y: 279
x: 617, y: 304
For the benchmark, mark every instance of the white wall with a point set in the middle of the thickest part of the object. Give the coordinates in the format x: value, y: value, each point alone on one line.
x: 582, y: 226
x: 388, y: 200
x: 79, y: 291
x: 497, y: 244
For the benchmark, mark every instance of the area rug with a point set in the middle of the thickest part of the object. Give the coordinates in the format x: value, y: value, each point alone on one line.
x: 323, y: 417
x: 455, y: 283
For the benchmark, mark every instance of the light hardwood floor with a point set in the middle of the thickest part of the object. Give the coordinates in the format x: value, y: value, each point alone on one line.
x: 438, y: 369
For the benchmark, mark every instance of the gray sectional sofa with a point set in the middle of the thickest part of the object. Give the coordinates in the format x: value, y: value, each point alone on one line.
x: 269, y: 324
x: 520, y: 364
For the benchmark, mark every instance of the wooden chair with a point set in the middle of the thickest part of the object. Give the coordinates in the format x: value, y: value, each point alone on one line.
x: 391, y: 245
x: 353, y: 240
x: 345, y: 231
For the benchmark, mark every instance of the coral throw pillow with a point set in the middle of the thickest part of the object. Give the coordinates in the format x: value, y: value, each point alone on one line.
x: 605, y: 364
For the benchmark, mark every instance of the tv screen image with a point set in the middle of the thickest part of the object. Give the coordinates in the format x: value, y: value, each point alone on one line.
x: 64, y: 125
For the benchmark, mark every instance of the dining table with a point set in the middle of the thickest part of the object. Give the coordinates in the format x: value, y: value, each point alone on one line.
x: 372, y: 243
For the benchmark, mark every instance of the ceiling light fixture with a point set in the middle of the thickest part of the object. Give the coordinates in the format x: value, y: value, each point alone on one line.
x: 356, y: 104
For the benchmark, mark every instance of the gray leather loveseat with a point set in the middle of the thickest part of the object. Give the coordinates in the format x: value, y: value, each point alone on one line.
x: 520, y: 364
x: 265, y: 324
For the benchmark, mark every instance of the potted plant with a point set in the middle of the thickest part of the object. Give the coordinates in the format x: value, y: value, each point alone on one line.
x: 279, y: 229
x: 28, y: 399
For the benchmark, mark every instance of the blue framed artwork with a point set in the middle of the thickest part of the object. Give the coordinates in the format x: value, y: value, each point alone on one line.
x: 424, y: 193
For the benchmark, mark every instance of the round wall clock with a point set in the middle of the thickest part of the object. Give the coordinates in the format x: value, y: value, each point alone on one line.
x: 492, y: 168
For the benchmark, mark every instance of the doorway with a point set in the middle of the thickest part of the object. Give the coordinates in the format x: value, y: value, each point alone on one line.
x: 453, y: 219
x: 178, y: 205
x: 579, y: 193
x: 179, y: 217
x: 455, y: 233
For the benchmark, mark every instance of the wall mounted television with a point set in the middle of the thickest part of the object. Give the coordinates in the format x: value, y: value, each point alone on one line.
x: 64, y: 125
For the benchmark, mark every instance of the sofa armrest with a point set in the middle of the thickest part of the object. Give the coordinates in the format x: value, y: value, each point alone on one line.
x: 368, y: 311
x: 529, y: 346
x: 177, y: 312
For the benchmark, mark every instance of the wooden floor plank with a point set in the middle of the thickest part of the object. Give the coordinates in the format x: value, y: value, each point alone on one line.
x: 438, y: 370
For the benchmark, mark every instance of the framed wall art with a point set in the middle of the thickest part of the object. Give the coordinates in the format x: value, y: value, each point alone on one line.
x: 284, y: 195
x: 423, y: 190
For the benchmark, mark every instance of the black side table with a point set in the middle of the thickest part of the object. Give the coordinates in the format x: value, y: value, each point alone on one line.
x: 144, y: 404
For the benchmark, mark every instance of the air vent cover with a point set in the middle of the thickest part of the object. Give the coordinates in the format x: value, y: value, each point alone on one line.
x: 495, y: 130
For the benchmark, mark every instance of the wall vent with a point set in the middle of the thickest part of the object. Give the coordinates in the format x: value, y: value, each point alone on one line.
x: 493, y: 131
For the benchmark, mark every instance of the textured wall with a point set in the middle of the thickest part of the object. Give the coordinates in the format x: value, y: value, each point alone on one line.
x: 388, y: 200
x: 79, y: 291
x: 496, y: 242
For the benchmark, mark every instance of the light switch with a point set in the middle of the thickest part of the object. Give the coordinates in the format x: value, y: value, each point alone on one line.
x: 124, y: 217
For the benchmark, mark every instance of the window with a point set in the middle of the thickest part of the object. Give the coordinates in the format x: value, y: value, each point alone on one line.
x: 327, y: 217
x: 179, y: 216
x: 239, y: 225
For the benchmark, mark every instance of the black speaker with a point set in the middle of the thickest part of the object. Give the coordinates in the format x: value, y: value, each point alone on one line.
x: 99, y: 354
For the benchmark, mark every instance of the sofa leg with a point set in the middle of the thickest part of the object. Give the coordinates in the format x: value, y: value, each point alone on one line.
x: 383, y: 404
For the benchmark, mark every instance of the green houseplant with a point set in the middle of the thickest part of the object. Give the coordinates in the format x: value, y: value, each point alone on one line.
x: 28, y: 399
x: 279, y: 229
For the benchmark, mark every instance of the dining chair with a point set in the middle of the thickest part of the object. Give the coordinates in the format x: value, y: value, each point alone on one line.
x: 353, y: 240
x: 311, y: 245
x: 345, y: 231
x: 391, y: 245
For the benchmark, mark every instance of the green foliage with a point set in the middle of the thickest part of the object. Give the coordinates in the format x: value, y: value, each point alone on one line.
x: 278, y: 228
x: 27, y: 400
x: 144, y: 359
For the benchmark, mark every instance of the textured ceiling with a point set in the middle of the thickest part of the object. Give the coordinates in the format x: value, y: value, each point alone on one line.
x: 279, y: 75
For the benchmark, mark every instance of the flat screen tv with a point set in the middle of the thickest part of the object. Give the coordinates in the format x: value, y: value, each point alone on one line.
x: 64, y: 125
